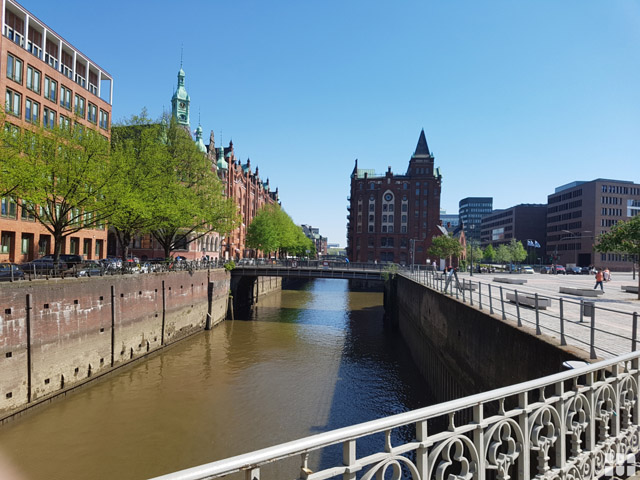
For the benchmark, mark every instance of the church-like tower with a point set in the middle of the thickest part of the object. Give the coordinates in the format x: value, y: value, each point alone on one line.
x: 180, y: 102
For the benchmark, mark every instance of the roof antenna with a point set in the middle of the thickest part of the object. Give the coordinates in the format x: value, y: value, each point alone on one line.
x: 181, y: 52
x: 199, y: 123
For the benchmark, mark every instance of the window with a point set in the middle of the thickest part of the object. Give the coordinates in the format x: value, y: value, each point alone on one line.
x: 5, y: 242
x: 14, y: 68
x: 33, y: 79
x: 403, y: 229
x: 24, y: 213
x: 64, y: 122
x: 104, y: 120
x: 98, y: 251
x: 65, y: 97
x: 391, y: 218
x: 405, y: 207
x: 13, y: 103
x: 50, y: 89
x: 8, y: 207
x: 74, y: 246
x: 78, y: 105
x: 31, y: 111
x: 417, y: 191
x: 26, y: 244
x: 48, y: 118
x: 92, y: 113
x: 43, y: 245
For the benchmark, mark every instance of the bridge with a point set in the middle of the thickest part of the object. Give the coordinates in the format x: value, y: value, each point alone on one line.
x: 312, y: 269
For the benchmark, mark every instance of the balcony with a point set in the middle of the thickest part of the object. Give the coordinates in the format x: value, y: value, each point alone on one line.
x: 34, y: 49
x: 80, y: 80
x: 51, y: 60
x: 66, y: 71
x: 14, y: 36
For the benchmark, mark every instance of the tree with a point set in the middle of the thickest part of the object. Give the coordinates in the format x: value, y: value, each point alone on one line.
x: 517, y: 252
x: 445, y: 246
x: 136, y: 186
x: 474, y: 253
x: 489, y: 253
x: 262, y: 233
x: 623, y: 238
x: 63, y: 172
x: 503, y: 255
x: 192, y: 203
x: 11, y: 174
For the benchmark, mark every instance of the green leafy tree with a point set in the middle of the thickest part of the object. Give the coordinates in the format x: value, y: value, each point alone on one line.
x: 12, y: 175
x: 192, y: 203
x: 489, y: 253
x: 137, y: 182
x: 474, y: 252
x: 65, y: 173
x: 503, y: 255
x: 445, y: 246
x: 517, y: 253
x: 623, y: 238
x: 262, y: 233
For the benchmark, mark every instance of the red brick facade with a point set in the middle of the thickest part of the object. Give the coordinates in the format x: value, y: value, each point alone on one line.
x: 40, y: 84
x: 392, y: 218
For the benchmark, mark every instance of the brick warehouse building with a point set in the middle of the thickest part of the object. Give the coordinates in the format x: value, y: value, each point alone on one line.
x: 392, y: 218
x: 45, y: 80
x: 580, y: 211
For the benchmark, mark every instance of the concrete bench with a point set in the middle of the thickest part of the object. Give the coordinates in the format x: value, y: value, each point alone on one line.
x: 581, y: 292
x: 513, y: 281
x: 529, y: 300
x: 469, y: 286
x: 629, y: 288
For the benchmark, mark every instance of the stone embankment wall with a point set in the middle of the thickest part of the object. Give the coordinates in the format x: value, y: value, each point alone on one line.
x: 461, y: 350
x: 58, y: 334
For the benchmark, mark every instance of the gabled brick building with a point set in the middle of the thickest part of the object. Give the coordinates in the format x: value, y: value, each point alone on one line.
x: 392, y: 218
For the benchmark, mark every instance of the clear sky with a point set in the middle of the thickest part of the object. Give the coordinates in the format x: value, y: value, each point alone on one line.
x: 516, y: 98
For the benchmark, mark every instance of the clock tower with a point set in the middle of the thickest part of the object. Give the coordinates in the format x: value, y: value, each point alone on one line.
x: 180, y: 102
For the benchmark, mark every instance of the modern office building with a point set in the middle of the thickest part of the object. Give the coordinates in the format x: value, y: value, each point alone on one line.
x: 392, y: 218
x: 525, y: 223
x: 47, y: 81
x: 580, y: 211
x: 471, y: 210
x: 318, y: 240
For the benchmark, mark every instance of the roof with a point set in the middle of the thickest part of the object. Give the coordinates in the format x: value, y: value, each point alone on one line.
x: 422, y: 148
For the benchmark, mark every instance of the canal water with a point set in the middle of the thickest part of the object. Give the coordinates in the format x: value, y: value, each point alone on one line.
x: 310, y: 359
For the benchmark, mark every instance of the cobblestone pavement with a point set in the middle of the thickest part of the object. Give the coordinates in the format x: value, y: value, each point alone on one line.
x: 614, y: 310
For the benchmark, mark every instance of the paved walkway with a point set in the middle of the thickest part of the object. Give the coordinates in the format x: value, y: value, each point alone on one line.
x: 614, y: 310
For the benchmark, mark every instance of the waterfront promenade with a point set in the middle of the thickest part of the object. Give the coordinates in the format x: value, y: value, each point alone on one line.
x: 608, y: 333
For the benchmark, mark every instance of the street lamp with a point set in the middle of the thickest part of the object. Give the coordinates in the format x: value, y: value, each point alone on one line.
x: 471, y: 227
x: 574, y: 236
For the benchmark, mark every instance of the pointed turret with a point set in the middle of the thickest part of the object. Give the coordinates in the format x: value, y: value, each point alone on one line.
x: 199, y: 142
x: 180, y: 101
x: 422, y: 148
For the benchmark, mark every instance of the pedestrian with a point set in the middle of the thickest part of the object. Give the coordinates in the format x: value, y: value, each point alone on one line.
x: 607, y: 275
x: 599, y: 278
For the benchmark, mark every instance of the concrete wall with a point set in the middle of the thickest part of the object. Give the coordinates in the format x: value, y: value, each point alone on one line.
x: 71, y: 330
x: 461, y: 350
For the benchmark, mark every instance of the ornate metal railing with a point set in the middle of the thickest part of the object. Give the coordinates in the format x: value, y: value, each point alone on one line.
x: 571, y: 425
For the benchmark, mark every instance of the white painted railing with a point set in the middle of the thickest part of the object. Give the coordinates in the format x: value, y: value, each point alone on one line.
x: 571, y: 425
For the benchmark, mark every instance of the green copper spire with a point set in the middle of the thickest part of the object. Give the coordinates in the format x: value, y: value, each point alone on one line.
x: 221, y: 163
x: 180, y: 102
x: 199, y: 142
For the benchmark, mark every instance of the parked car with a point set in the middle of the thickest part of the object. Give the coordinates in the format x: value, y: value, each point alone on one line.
x: 586, y: 271
x: 71, y: 260
x: 90, y: 268
x: 44, y: 265
x: 545, y: 269
x: 526, y: 269
x: 560, y: 270
x: 10, y: 271
x: 574, y: 270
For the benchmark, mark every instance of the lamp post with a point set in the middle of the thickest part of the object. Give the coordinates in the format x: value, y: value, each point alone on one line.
x: 471, y: 227
x: 574, y: 236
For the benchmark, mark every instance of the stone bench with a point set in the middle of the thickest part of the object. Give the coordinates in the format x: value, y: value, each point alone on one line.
x: 468, y: 286
x: 513, y: 281
x: 529, y: 300
x: 629, y: 288
x: 581, y: 292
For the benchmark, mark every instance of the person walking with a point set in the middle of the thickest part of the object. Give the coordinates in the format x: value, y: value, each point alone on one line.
x: 606, y: 275
x: 599, y: 279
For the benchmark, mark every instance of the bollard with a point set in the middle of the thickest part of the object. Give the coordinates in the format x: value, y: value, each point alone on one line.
x: 581, y: 311
x: 538, y: 331
x: 518, y: 309
x: 563, y: 340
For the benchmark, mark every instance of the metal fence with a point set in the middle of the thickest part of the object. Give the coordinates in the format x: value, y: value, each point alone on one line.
x: 604, y: 332
x: 578, y: 425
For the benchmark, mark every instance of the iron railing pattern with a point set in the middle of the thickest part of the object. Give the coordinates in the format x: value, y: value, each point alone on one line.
x: 565, y: 426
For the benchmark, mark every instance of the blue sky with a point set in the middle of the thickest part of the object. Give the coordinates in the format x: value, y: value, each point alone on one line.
x: 516, y: 98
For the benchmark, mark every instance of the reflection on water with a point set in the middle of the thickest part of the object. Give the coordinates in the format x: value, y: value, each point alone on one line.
x: 308, y: 360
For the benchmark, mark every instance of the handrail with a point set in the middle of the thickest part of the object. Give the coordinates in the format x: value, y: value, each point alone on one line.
x: 252, y: 461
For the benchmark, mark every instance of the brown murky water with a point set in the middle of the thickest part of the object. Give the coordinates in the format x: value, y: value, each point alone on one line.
x: 308, y: 360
